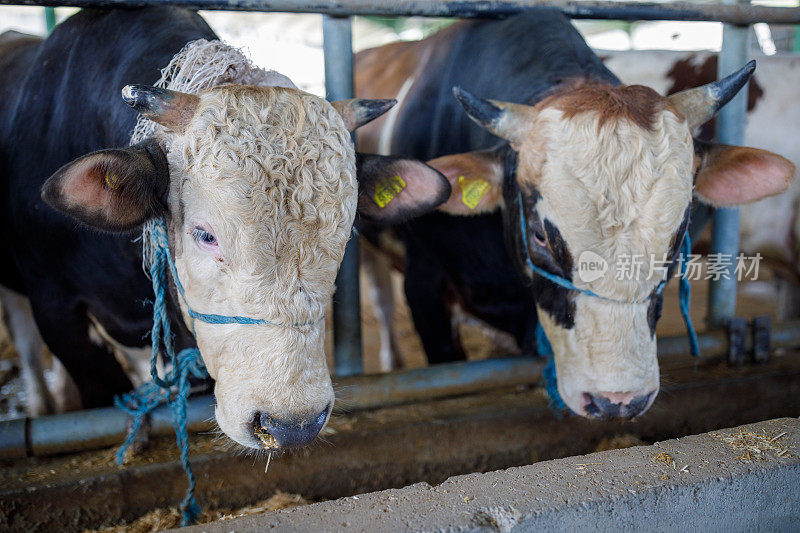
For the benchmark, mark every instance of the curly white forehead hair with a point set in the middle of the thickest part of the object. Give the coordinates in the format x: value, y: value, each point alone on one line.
x: 275, y: 170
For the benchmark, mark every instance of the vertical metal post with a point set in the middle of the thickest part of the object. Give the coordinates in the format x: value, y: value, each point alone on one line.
x: 730, y: 130
x: 338, y: 48
x: 50, y: 18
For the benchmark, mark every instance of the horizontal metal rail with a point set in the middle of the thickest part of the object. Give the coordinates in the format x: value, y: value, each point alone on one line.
x: 98, y: 428
x: 732, y: 14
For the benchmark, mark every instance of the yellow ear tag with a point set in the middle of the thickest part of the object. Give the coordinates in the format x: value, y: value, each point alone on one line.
x: 472, y: 191
x: 112, y: 181
x: 386, y: 190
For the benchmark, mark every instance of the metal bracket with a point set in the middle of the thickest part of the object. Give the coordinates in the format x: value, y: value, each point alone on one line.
x: 762, y: 338
x: 737, y: 338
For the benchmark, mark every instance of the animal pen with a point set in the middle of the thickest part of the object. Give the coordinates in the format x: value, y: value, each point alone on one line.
x: 431, y: 423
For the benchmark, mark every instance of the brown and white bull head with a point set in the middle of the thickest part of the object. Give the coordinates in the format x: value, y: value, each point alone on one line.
x: 604, y: 173
x: 259, y: 189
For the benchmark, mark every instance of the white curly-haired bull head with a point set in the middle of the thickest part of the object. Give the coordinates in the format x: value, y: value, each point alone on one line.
x: 604, y: 172
x: 259, y: 189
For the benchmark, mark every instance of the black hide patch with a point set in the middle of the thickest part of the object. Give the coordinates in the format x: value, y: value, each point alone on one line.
x: 557, y: 301
x: 654, y: 311
x: 657, y: 299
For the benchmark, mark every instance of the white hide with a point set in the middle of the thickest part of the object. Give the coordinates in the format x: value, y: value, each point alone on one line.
x: 770, y: 226
x: 271, y: 171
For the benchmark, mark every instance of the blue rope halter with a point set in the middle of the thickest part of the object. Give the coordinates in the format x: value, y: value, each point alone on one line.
x: 543, y: 344
x: 187, y: 363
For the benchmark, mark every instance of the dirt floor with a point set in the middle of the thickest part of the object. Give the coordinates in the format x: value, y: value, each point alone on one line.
x: 161, y: 519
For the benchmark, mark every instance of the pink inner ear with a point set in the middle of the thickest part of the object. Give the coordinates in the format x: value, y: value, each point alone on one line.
x: 82, y: 185
x: 738, y: 175
x: 475, y: 179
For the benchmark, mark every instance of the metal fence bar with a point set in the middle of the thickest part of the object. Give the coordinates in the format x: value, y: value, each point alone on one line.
x: 732, y: 14
x: 338, y: 49
x: 50, y: 18
x: 730, y: 130
x: 107, y: 426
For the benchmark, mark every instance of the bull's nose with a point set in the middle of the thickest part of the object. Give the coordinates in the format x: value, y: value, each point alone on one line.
x: 273, y: 433
x: 608, y: 406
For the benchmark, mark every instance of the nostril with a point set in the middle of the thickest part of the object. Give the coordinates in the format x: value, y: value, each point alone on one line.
x: 273, y: 433
x: 598, y: 406
x: 640, y: 404
x: 615, y: 405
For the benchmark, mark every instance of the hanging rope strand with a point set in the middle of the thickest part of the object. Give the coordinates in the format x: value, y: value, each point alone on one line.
x: 685, y: 295
x: 187, y: 363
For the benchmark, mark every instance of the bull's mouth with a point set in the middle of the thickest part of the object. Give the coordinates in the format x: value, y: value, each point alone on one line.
x: 274, y: 435
x: 266, y: 441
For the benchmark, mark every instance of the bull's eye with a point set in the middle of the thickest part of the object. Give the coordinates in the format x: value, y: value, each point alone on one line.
x: 204, y: 237
x: 538, y: 237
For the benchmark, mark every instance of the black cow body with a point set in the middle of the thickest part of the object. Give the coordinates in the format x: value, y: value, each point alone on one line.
x: 60, y: 99
x: 521, y: 59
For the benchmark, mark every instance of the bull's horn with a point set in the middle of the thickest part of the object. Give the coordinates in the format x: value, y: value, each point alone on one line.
x: 358, y: 111
x: 700, y: 104
x: 172, y: 109
x: 504, y: 119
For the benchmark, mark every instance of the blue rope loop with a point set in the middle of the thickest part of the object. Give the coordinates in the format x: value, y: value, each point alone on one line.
x: 147, y: 397
x: 159, y: 233
x: 184, y: 365
x: 543, y: 344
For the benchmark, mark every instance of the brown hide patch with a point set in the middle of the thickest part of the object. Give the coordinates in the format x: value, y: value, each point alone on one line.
x: 381, y: 72
x: 687, y: 74
x: 635, y: 103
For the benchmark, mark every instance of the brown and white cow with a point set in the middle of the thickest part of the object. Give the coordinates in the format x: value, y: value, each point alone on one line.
x: 594, y: 166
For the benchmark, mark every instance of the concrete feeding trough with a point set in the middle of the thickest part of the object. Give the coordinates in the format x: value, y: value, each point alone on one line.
x: 390, y: 447
x: 739, y: 479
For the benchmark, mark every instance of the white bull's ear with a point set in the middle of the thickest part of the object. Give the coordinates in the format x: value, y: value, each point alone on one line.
x: 476, y: 181
x: 734, y: 175
x: 358, y: 111
x: 112, y: 190
x: 392, y: 190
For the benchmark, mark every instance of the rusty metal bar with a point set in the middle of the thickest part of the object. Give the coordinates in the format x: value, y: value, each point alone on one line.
x: 732, y: 14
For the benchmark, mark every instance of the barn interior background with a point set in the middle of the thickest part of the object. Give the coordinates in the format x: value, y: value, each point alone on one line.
x: 401, y: 428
